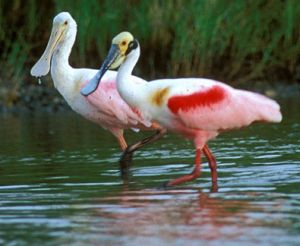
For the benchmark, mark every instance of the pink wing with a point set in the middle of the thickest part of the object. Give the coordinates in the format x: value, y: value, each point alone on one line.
x: 220, y: 107
x: 108, y: 101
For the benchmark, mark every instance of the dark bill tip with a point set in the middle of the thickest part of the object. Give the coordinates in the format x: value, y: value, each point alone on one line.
x: 93, y: 84
x: 90, y: 87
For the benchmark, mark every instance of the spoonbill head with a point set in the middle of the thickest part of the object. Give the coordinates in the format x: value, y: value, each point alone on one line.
x: 196, y: 108
x: 64, y: 28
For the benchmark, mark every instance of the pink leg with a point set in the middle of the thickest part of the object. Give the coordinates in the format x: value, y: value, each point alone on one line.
x: 122, y: 142
x: 212, y: 165
x: 193, y: 175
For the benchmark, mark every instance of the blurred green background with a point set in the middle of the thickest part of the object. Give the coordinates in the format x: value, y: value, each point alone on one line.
x: 244, y: 43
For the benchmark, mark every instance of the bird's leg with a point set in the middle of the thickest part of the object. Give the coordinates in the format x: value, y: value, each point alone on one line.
x: 213, y: 167
x: 122, y: 142
x: 193, y: 175
x: 126, y: 157
x: 123, y: 145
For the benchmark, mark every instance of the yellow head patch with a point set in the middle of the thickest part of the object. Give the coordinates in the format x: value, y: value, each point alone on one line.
x: 122, y: 40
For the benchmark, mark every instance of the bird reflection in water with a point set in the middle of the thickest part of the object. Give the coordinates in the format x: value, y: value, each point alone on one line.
x: 185, y: 213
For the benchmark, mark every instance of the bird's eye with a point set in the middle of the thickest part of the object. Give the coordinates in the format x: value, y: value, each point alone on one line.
x: 66, y: 23
x: 123, y: 43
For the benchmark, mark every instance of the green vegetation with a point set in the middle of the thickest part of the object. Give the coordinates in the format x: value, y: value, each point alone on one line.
x: 235, y: 41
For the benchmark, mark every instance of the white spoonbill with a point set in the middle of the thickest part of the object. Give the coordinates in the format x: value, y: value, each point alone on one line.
x: 105, y: 107
x: 199, y: 109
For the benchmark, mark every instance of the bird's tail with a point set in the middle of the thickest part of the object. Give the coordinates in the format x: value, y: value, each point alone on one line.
x: 263, y: 107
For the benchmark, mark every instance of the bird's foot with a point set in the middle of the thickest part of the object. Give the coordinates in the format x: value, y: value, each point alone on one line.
x: 169, y: 184
x: 125, y: 162
x: 165, y: 185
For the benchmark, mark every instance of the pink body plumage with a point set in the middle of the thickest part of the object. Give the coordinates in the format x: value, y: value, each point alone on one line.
x: 216, y: 107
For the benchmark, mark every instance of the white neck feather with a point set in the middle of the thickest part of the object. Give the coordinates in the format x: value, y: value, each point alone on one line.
x: 61, y: 72
x: 129, y: 89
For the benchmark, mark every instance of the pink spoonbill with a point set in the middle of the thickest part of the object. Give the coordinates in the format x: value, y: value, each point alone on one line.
x: 105, y: 107
x: 196, y: 108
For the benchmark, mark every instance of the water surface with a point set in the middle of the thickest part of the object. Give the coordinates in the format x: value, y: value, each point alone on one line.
x: 60, y: 184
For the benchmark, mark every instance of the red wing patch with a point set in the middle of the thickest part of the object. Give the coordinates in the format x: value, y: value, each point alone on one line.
x: 205, y: 98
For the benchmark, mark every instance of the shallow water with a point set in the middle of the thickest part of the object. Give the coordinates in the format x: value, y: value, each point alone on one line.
x: 60, y: 184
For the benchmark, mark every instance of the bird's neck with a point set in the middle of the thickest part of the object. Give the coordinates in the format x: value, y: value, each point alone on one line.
x: 61, y: 71
x: 128, y: 88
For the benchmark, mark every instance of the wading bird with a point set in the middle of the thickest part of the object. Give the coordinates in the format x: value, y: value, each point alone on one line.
x: 198, y: 109
x: 105, y: 107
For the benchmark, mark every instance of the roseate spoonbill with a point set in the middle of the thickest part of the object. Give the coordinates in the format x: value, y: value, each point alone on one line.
x: 199, y: 109
x: 105, y: 107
